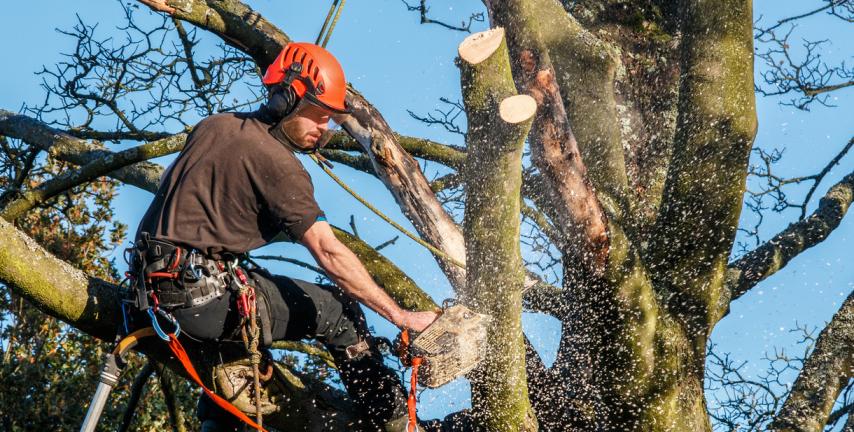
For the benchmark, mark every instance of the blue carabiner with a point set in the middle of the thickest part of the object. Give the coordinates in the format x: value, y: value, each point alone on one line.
x: 156, y: 325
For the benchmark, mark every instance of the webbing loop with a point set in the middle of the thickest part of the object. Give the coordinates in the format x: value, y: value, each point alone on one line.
x: 412, y: 399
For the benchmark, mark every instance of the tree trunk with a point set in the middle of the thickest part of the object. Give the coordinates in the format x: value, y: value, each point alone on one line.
x: 498, y: 124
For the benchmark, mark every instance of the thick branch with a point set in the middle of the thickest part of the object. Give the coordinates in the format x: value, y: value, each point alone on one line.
x: 231, y: 20
x: 554, y: 149
x: 767, y: 259
x: 92, y: 170
x: 545, y: 298
x: 403, y: 177
x: 144, y: 175
x: 447, y: 155
x: 705, y: 183
x: 387, y: 275
x: 825, y: 373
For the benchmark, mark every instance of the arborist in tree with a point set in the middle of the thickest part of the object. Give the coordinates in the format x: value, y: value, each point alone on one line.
x: 238, y: 184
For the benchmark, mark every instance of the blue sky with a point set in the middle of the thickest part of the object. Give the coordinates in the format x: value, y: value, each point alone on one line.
x: 399, y: 65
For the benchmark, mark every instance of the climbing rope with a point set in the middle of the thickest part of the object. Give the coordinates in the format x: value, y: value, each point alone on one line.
x: 249, y: 331
x: 336, y: 4
x: 323, y: 165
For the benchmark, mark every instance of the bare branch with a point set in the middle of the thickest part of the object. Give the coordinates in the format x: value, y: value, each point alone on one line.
x: 832, y: 5
x: 293, y: 261
x: 64, y: 147
x: 91, y: 171
x: 809, y: 76
x: 772, y: 256
x: 136, y: 390
x: 173, y: 406
x: 463, y: 27
x: 447, y: 118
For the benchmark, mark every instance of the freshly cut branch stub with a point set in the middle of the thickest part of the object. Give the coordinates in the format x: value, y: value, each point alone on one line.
x: 517, y: 109
x: 479, y: 46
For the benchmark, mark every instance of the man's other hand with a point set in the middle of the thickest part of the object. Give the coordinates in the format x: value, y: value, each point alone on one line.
x: 418, y: 321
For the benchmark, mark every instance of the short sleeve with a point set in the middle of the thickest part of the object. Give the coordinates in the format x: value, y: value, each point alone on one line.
x: 285, y: 191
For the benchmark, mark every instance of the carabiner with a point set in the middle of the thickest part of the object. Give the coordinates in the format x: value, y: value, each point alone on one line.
x: 156, y: 325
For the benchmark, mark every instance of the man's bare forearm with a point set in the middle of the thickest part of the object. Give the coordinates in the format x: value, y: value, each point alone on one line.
x: 345, y: 269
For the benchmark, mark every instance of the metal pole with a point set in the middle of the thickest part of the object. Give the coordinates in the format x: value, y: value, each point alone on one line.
x: 108, y: 379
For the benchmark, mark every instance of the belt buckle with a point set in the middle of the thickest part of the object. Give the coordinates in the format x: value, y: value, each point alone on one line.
x: 356, y: 350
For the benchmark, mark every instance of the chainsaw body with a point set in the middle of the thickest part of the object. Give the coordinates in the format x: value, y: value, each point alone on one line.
x: 451, y: 346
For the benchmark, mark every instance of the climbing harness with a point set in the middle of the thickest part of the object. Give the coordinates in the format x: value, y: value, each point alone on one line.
x: 162, y: 271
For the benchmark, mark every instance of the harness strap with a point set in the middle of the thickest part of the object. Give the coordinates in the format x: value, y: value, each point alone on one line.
x: 412, y: 399
x: 182, y: 356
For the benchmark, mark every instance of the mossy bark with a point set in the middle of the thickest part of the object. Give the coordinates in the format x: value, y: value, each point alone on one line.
x: 493, y: 179
x: 706, y: 180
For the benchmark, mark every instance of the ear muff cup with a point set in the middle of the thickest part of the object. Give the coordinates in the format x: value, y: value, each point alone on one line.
x: 282, y: 101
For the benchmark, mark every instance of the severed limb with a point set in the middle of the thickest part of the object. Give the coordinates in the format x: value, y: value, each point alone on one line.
x: 554, y: 149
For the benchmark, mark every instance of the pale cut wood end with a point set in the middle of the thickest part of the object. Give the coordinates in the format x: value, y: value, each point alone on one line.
x: 517, y: 109
x: 479, y: 46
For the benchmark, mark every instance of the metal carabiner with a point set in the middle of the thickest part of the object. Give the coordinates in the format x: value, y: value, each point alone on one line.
x: 197, y: 273
x: 156, y: 325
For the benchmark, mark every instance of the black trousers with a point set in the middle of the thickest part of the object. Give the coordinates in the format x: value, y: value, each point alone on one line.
x: 302, y: 310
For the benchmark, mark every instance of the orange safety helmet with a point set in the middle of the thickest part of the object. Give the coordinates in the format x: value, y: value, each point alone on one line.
x: 311, y: 72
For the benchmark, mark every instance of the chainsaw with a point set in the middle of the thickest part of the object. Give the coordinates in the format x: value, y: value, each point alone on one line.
x: 450, y: 347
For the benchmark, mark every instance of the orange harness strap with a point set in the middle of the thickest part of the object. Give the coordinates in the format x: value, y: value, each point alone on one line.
x: 412, y: 400
x: 182, y: 356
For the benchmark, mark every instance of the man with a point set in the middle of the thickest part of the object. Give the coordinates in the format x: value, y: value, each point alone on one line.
x: 235, y: 186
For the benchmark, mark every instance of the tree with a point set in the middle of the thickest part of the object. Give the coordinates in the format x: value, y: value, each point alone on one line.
x: 640, y: 119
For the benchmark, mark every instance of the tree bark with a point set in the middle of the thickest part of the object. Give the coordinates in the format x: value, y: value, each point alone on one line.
x: 572, y: 202
x: 498, y: 120
x: 705, y: 183
x: 825, y: 373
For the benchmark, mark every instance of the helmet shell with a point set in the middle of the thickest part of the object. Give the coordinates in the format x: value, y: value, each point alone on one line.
x: 319, y: 67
